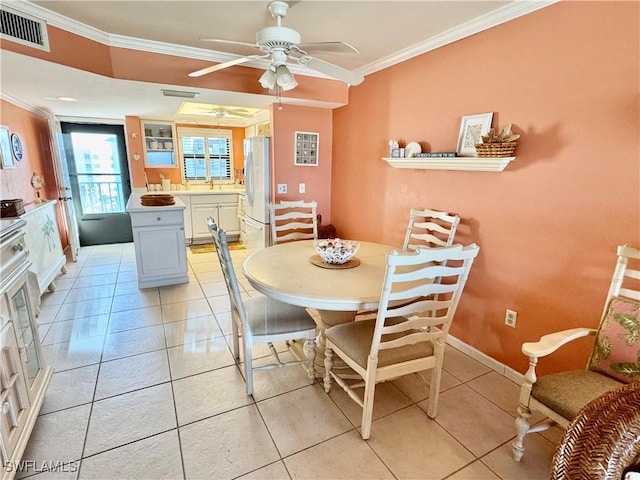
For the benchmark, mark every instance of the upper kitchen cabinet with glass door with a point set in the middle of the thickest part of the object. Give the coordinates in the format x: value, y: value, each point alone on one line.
x: 159, y: 144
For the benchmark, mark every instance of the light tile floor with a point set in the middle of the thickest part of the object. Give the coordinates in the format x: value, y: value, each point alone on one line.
x: 146, y: 387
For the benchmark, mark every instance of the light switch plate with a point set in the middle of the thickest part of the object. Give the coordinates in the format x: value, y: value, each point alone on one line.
x: 302, y: 188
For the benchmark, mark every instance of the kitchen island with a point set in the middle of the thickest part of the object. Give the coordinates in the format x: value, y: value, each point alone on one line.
x: 159, y: 242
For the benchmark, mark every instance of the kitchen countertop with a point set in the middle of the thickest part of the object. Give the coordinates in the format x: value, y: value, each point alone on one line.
x: 134, y: 205
x: 196, y: 191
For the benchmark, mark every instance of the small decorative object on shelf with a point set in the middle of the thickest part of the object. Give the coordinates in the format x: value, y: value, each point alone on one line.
x: 497, y: 145
x: 37, y: 182
x: 393, y: 144
x: 11, y: 208
x: 472, y: 127
x: 436, y: 155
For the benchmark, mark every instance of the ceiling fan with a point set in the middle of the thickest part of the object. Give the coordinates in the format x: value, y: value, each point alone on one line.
x: 282, y: 44
x: 227, y: 112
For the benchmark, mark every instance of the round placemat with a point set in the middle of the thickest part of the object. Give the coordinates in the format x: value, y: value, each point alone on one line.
x: 317, y: 260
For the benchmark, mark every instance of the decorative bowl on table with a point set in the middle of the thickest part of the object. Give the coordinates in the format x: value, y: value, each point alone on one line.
x: 335, y: 250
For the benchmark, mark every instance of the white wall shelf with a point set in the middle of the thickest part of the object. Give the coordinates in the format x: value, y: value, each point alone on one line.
x: 475, y: 164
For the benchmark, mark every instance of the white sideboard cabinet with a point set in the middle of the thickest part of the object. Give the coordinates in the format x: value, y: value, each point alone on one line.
x: 24, y: 376
x: 42, y: 240
x: 159, y: 243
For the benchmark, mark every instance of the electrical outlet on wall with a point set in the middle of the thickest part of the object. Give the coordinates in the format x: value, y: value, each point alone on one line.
x: 282, y: 188
x: 510, y: 318
x: 302, y: 188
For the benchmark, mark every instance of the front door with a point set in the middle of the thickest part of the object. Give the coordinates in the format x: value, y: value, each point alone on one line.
x: 99, y: 177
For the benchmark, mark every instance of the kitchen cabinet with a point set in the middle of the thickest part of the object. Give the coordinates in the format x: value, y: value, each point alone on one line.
x: 199, y: 205
x: 24, y: 377
x: 186, y: 216
x: 223, y: 208
x: 159, y: 144
x: 158, y: 239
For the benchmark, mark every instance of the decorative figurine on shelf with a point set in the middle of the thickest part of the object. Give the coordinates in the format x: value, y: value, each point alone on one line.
x: 393, y: 145
x: 37, y: 182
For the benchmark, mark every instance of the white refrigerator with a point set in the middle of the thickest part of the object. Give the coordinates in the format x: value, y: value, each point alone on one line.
x: 257, y: 172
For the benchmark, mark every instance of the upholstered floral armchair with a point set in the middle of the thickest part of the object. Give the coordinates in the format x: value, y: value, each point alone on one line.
x: 614, y: 362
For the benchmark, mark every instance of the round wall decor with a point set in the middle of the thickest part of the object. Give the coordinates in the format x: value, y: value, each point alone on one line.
x: 16, y: 146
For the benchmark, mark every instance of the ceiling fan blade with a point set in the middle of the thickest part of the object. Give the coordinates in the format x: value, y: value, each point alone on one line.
x: 327, y: 47
x: 240, y: 113
x: 230, y: 42
x: 331, y: 70
x: 220, y: 66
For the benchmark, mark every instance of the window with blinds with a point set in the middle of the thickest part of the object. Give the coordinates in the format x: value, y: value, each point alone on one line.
x: 207, y: 155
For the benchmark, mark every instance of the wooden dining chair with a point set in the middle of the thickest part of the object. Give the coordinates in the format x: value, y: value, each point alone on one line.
x: 262, y: 319
x: 293, y: 220
x: 409, y: 333
x: 430, y: 228
x: 426, y: 228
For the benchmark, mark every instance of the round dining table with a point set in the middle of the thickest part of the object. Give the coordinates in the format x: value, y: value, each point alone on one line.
x: 286, y: 273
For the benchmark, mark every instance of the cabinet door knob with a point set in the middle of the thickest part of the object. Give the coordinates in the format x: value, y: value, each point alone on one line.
x: 5, y: 408
x: 18, y: 247
x: 159, y: 218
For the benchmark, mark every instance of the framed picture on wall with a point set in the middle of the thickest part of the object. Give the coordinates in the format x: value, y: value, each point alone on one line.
x: 5, y: 148
x: 472, y: 128
x: 306, y: 149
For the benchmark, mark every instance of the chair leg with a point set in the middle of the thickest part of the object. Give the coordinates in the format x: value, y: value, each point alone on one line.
x: 248, y: 370
x: 434, y: 387
x: 328, y: 365
x: 236, y: 342
x: 522, y: 428
x: 311, y: 355
x: 369, y: 393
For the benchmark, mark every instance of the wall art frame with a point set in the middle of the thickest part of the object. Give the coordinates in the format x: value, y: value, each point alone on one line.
x: 306, y: 145
x: 6, y: 155
x: 472, y: 128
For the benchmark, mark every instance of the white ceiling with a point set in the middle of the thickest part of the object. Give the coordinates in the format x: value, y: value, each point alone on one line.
x: 384, y: 32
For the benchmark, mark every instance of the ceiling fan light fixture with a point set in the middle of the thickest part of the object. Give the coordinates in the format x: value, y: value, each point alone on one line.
x: 268, y: 79
x: 285, y: 78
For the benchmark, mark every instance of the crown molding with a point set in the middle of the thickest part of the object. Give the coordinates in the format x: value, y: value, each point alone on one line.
x: 23, y: 105
x: 504, y: 14
x: 484, y: 22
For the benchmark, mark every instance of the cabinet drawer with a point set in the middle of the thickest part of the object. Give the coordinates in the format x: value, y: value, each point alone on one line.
x: 213, y: 199
x: 156, y: 218
x: 12, y: 252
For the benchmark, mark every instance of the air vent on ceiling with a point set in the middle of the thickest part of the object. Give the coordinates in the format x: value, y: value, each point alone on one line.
x: 22, y: 28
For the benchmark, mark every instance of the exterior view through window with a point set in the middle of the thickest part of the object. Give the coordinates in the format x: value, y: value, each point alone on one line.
x: 98, y: 172
x: 206, y: 155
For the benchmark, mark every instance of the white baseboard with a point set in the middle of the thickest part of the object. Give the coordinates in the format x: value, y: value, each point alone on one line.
x: 485, y: 359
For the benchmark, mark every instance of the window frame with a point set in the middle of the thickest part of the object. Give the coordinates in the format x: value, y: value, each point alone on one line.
x: 206, y: 133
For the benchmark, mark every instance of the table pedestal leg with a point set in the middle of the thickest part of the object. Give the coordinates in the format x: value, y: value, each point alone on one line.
x: 326, y: 319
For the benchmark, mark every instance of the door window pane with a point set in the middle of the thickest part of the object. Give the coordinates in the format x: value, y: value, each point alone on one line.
x: 100, y: 194
x: 98, y: 171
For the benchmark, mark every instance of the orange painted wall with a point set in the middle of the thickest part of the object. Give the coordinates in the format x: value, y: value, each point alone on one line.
x: 317, y: 180
x: 69, y: 49
x: 567, y: 77
x: 33, y: 131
